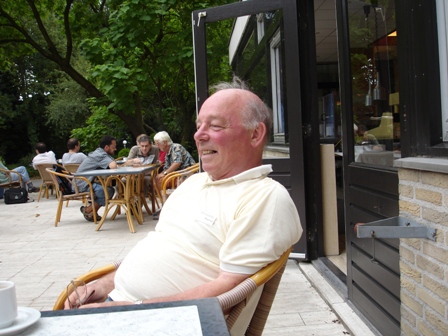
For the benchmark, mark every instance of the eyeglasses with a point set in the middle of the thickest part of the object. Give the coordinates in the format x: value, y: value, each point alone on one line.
x: 80, y: 298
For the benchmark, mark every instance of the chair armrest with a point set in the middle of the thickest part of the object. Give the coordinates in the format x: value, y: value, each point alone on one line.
x: 88, y: 277
x: 243, y: 290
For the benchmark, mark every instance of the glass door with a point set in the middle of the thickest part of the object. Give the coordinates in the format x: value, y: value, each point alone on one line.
x: 257, y: 41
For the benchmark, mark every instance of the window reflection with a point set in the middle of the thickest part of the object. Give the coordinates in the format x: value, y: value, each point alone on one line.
x: 375, y: 82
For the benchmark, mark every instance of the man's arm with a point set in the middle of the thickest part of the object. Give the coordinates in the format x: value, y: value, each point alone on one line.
x: 113, y: 165
x: 225, y: 282
x: 97, y: 291
x: 170, y: 169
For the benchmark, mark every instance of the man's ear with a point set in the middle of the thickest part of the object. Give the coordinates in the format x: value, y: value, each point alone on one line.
x: 258, y: 135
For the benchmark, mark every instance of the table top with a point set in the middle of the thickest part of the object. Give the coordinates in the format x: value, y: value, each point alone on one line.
x: 117, y: 171
x: 191, y: 317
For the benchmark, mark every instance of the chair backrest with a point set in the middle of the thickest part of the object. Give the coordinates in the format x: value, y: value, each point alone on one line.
x: 174, y: 179
x: 44, y: 175
x: 71, y: 167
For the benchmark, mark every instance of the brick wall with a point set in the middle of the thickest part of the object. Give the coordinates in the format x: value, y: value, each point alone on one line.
x: 423, y: 262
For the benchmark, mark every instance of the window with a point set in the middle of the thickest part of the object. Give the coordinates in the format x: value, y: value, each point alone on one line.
x: 277, y: 101
x: 442, y: 29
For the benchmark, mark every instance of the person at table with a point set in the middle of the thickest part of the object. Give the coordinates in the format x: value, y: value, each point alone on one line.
x: 42, y: 155
x: 176, y: 157
x: 144, y: 152
x: 73, y: 155
x: 101, y: 158
x: 218, y: 227
x: 21, y: 170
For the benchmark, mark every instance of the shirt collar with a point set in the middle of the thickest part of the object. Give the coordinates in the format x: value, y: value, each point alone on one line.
x: 253, y: 173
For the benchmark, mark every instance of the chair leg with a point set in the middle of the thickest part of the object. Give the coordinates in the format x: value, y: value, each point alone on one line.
x: 59, y: 212
x: 40, y: 192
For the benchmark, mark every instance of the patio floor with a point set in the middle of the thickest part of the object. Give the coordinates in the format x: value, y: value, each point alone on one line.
x: 41, y: 258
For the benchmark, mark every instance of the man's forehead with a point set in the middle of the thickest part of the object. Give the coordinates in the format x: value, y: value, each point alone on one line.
x: 145, y: 143
x: 211, y: 116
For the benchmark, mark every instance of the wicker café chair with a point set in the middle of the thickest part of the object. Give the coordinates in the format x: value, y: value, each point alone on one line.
x: 172, y: 180
x: 232, y: 302
x: 10, y: 183
x: 77, y: 195
x: 71, y: 167
x: 47, y: 181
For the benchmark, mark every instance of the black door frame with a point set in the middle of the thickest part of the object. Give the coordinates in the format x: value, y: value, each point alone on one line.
x: 304, y: 183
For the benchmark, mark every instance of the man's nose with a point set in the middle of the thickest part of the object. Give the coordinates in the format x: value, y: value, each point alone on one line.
x: 200, y: 134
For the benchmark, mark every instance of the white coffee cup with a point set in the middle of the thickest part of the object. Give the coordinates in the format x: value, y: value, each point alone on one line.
x: 8, y: 303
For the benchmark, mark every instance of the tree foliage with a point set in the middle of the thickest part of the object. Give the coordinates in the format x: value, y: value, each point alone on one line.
x: 117, y: 60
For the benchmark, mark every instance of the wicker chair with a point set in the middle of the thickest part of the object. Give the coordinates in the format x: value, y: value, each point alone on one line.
x: 10, y: 183
x: 71, y: 167
x: 47, y: 181
x: 174, y: 179
x: 77, y: 195
x: 232, y: 302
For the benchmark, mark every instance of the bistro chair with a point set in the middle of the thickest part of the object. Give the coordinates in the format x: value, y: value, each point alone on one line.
x: 10, y: 183
x: 77, y: 195
x: 172, y: 180
x: 47, y: 181
x: 71, y: 167
x: 232, y: 302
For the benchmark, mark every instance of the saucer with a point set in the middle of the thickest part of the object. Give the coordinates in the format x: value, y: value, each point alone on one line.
x: 25, y: 317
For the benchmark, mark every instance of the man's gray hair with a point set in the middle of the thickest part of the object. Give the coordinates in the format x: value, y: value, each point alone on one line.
x: 144, y: 138
x: 163, y: 136
x: 254, y: 111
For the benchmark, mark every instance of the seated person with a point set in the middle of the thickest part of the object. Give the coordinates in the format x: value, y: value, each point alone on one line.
x: 26, y: 181
x: 42, y: 155
x: 176, y: 158
x: 99, y: 159
x: 142, y: 154
x: 218, y: 227
x: 73, y: 155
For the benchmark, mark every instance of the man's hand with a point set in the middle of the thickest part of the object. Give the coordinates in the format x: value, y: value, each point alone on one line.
x: 94, y: 292
x: 89, y: 294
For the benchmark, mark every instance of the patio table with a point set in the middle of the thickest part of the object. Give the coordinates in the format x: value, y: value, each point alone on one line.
x: 129, y: 183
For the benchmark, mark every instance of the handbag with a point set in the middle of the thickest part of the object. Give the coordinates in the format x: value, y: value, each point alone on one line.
x: 15, y: 195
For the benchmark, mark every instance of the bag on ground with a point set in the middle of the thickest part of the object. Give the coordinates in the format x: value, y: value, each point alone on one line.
x: 15, y: 195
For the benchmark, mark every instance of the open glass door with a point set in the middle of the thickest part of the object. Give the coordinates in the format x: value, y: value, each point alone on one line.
x: 258, y: 41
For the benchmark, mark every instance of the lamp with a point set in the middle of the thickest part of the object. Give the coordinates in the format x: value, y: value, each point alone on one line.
x: 124, y: 143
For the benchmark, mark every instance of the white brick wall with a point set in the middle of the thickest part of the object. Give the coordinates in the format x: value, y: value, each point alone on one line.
x: 423, y: 262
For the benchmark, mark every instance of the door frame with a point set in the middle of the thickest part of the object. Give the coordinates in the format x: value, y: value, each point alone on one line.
x: 292, y: 169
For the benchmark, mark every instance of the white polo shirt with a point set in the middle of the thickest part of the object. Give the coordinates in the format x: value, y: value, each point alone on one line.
x: 239, y: 225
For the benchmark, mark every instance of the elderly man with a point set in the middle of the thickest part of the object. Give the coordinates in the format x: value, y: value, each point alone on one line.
x: 176, y: 157
x: 99, y: 159
x: 219, y: 227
